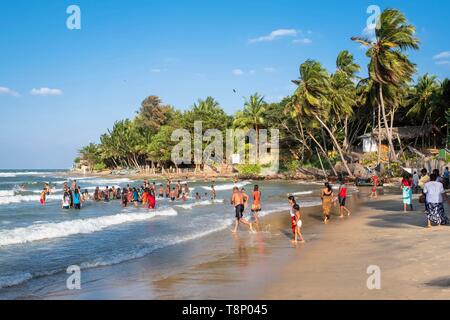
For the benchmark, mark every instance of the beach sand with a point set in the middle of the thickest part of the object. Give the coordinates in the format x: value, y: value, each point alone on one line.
x: 414, y: 261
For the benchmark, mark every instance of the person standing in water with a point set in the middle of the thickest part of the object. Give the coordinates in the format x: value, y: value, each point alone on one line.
x: 256, y: 206
x: 43, y: 196
x: 151, y: 200
x: 65, y: 203
x: 296, y: 220
x: 374, y: 193
x: 76, y: 199
x: 327, y: 196
x: 343, y: 199
x: 237, y: 199
x: 213, y: 193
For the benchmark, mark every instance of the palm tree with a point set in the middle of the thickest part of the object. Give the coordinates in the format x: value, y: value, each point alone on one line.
x: 423, y: 98
x: 312, y: 99
x: 207, y: 105
x: 252, y: 116
x: 342, y: 93
x: 388, y: 65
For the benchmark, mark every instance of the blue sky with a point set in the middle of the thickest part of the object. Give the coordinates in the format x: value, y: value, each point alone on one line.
x: 60, y: 89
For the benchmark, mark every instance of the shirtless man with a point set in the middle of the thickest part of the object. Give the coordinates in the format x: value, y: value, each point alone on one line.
x: 238, y: 200
x: 213, y: 193
x: 256, y: 206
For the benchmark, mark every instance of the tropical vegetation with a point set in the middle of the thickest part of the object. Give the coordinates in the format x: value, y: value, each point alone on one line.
x: 319, y: 123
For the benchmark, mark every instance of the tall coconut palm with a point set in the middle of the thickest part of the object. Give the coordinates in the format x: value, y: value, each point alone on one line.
x: 388, y: 64
x: 342, y: 93
x: 252, y: 116
x: 423, y: 98
x: 312, y: 99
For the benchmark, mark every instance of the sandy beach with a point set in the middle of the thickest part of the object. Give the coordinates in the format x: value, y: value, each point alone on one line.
x: 413, y: 260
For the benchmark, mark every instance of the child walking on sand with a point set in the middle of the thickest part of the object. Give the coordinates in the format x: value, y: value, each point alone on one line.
x: 296, y: 220
x: 406, y: 193
x: 374, y: 193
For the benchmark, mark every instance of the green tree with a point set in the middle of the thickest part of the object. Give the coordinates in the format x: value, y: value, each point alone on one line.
x: 388, y: 64
x: 252, y: 116
x: 312, y: 99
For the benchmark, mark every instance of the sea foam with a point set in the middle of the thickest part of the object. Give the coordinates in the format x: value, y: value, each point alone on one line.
x: 47, y: 231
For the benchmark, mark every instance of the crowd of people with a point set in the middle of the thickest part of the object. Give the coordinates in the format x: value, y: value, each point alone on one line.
x: 432, y: 188
x: 144, y: 195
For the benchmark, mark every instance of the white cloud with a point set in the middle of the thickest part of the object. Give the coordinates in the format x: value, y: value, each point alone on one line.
x: 276, y: 34
x: 303, y: 41
x: 45, y: 92
x: 442, y: 55
x: 252, y: 72
x: 270, y: 69
x: 442, y: 62
x: 237, y: 72
x: 155, y: 70
x: 8, y: 91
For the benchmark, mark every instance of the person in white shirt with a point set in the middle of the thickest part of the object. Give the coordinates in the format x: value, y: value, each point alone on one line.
x: 435, y: 196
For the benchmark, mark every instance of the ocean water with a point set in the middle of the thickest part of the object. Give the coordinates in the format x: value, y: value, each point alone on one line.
x: 38, y: 241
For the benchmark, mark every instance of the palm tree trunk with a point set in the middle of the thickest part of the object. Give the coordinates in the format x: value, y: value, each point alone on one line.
x: 346, y: 143
x: 392, y: 155
x: 421, y: 129
x: 324, y: 153
x: 339, y: 149
x: 379, y: 133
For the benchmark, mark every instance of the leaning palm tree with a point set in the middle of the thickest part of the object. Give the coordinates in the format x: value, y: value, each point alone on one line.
x: 312, y: 99
x: 252, y: 116
x: 388, y: 65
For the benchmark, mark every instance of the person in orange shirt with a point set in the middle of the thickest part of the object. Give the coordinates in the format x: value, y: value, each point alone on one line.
x: 145, y: 197
x: 256, y: 206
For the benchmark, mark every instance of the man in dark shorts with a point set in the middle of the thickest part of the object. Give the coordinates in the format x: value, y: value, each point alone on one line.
x: 237, y: 199
x: 343, y: 199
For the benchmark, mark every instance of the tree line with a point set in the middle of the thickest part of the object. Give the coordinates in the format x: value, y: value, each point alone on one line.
x: 322, y: 119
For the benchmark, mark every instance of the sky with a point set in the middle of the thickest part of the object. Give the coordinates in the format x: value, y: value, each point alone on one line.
x: 62, y: 88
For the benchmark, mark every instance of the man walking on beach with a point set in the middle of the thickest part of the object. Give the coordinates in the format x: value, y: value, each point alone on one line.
x: 343, y: 199
x: 237, y: 199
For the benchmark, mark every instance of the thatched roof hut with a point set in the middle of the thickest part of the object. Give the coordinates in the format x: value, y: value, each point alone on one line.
x: 407, y: 133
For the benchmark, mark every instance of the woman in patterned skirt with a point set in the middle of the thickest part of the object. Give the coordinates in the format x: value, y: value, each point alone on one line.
x: 436, y: 195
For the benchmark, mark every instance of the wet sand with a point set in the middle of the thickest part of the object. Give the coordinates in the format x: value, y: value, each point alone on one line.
x: 414, y: 261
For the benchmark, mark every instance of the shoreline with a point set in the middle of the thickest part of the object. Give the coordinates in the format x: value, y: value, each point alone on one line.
x: 332, y: 264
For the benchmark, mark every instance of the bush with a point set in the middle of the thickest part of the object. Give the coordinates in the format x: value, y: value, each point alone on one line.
x: 249, y: 169
x: 293, y: 166
x: 99, y: 166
